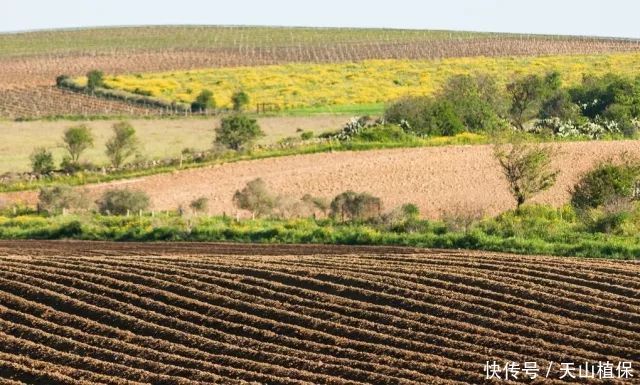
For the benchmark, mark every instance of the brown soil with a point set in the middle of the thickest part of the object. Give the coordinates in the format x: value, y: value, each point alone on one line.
x: 438, y: 179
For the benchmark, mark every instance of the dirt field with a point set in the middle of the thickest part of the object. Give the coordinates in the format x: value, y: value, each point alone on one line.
x: 164, y: 138
x: 84, y: 313
x: 436, y: 179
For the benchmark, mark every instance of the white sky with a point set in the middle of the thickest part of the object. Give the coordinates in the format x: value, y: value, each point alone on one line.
x: 577, y: 17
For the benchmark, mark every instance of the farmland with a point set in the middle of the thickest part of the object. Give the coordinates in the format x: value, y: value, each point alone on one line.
x: 225, y: 314
x: 437, y: 179
x: 31, y: 61
x: 368, y: 82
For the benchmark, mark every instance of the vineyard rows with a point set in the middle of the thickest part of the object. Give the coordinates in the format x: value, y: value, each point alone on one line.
x: 45, y: 101
x: 30, y: 60
x: 236, y: 314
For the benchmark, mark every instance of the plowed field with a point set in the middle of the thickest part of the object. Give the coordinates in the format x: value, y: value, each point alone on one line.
x: 101, y: 313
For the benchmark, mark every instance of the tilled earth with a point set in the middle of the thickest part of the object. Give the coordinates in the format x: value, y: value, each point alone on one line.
x: 155, y: 313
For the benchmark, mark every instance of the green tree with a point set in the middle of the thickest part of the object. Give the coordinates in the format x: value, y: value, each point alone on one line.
x: 528, y: 93
x: 239, y: 99
x: 42, y: 161
x: 95, y: 79
x: 237, y: 131
x: 256, y: 198
x: 527, y: 168
x: 76, y: 140
x: 123, y: 144
x: 204, y: 102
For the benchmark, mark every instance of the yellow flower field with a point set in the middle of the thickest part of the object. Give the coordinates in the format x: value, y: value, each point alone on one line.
x: 367, y: 82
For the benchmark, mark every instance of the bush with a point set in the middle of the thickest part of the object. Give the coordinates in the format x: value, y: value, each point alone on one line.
x: 57, y: 199
x: 256, y: 198
x: 42, y: 161
x: 607, y: 182
x: 122, y: 145
x: 62, y: 80
x: 237, y: 132
x: 204, y: 101
x: 122, y: 202
x: 239, y: 99
x: 199, y: 205
x: 306, y: 135
x: 465, y: 103
x: 95, y: 79
x: 355, y: 206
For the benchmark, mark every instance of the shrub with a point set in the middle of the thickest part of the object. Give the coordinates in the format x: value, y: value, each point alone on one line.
x: 62, y: 80
x: 76, y: 140
x: 204, y: 101
x: 239, y: 99
x: 42, y: 161
x: 55, y: 200
x: 352, y: 206
x: 122, y: 145
x: 306, y: 135
x: 256, y: 198
x: 461, y: 218
x: 95, y: 79
x: 237, y: 131
x: 122, y: 202
x: 527, y: 168
x: 605, y: 183
x: 318, y: 203
x: 199, y: 205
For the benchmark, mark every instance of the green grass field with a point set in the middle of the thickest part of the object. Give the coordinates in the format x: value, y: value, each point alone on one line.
x: 161, y: 138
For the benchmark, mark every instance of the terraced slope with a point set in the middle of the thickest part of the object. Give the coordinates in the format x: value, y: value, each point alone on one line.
x: 80, y: 313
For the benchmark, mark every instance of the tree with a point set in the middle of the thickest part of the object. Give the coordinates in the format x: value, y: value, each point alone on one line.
x: 95, y: 79
x: 256, y: 198
x: 123, y: 144
x: 76, y: 140
x: 527, y: 168
x: 239, y: 99
x: 528, y: 93
x: 42, y: 161
x: 122, y: 202
x: 204, y: 101
x: 237, y: 132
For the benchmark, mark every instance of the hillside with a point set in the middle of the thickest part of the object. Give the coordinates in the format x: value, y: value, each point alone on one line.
x: 224, y: 314
x: 438, y: 179
x: 31, y: 61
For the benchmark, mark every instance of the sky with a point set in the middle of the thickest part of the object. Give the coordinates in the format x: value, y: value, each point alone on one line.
x: 568, y: 17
